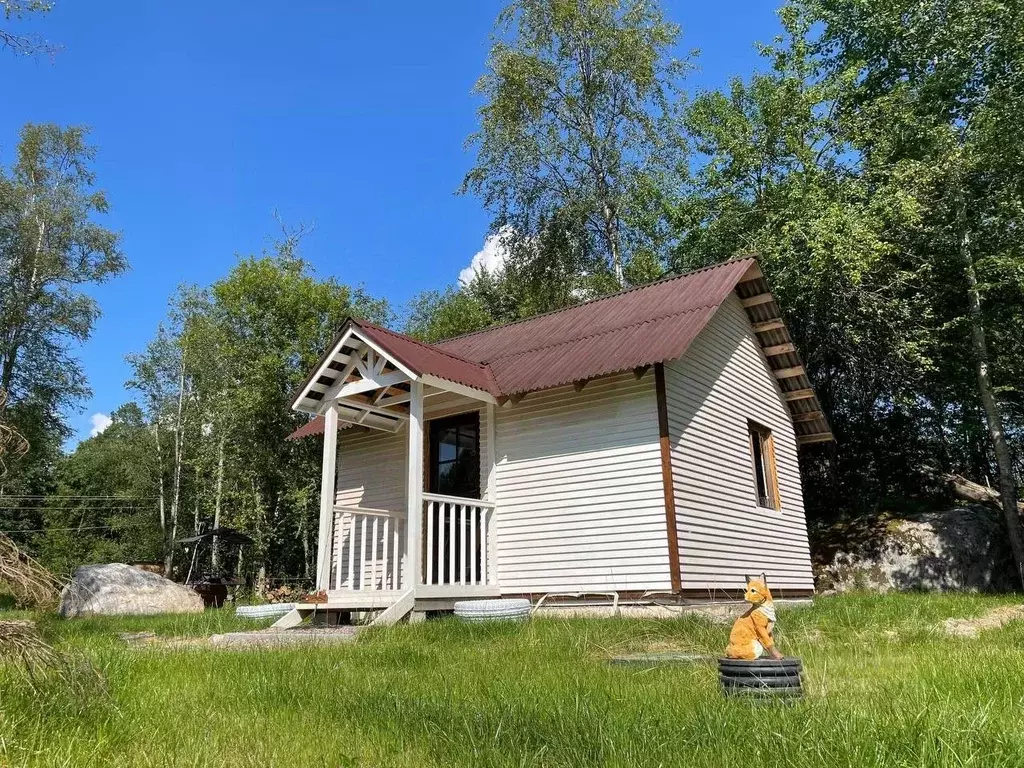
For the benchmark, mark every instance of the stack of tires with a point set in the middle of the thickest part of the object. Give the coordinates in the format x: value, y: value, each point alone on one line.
x: 761, y: 677
x: 493, y: 610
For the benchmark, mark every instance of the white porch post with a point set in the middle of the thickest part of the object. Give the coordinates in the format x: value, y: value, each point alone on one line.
x: 414, y: 487
x: 327, y: 494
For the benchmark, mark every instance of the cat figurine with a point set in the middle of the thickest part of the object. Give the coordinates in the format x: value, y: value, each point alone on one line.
x: 751, y: 635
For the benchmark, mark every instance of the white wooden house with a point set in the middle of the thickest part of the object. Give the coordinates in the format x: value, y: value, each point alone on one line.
x: 642, y: 442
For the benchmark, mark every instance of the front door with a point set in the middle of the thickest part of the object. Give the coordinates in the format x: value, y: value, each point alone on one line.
x: 454, y: 470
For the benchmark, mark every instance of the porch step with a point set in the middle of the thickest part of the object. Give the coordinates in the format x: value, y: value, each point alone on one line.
x: 345, y: 600
x: 396, y: 611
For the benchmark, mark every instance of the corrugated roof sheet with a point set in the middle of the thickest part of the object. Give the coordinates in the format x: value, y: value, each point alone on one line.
x: 626, y: 330
x: 425, y: 358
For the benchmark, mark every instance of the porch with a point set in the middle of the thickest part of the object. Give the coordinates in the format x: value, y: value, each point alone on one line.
x: 435, y: 539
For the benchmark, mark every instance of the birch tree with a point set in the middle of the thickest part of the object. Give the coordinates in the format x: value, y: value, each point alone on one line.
x: 577, y: 122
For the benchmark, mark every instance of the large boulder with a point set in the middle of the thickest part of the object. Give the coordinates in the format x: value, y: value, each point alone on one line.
x: 958, y: 549
x: 117, y: 589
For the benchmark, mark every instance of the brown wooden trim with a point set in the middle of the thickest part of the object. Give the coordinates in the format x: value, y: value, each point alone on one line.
x: 812, y: 416
x: 788, y: 373
x: 666, y: 478
x: 820, y: 437
x: 753, y: 301
x: 779, y: 349
x: 767, y: 325
x: 798, y: 394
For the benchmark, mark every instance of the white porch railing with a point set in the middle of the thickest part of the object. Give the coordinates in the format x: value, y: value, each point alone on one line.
x: 369, y: 549
x: 458, y: 539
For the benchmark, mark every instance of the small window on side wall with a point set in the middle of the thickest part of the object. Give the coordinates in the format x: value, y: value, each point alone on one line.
x: 762, y: 453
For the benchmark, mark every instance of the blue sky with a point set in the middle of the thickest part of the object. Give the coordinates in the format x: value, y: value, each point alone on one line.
x: 352, y: 116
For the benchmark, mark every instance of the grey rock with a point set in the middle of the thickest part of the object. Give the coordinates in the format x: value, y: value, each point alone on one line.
x: 117, y: 589
x: 958, y: 549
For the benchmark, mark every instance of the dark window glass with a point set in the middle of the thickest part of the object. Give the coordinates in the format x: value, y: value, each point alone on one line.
x: 455, y: 456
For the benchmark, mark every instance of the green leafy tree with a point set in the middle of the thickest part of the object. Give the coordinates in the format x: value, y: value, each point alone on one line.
x: 577, y: 124
x: 52, y: 250
x: 775, y: 175
x: 217, y: 383
x: 103, y: 508
x: 935, y: 94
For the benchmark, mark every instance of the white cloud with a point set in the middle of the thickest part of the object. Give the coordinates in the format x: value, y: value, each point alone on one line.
x: 488, y: 259
x: 100, y: 421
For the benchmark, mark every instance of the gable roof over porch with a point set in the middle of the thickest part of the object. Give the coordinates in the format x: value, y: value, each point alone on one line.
x: 629, y: 330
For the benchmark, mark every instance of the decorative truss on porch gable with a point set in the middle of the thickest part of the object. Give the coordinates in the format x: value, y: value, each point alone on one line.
x: 365, y: 386
x: 368, y: 383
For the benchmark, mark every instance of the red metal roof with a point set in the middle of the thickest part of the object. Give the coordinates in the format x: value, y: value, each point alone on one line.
x: 626, y: 330
x: 620, y: 332
x: 425, y: 358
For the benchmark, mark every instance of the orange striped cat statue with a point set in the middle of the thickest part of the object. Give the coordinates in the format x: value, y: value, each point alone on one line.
x: 751, y: 636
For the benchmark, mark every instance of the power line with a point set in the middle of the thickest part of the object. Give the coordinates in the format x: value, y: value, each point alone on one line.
x: 57, y: 497
x: 83, y: 528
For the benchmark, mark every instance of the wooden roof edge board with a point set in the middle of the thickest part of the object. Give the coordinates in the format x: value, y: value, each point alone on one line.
x: 798, y: 394
x: 753, y: 301
x: 817, y: 437
x: 778, y: 349
x: 809, y: 416
x: 786, y: 373
x: 768, y: 325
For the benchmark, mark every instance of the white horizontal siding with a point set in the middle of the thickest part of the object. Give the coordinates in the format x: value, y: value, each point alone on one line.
x: 580, y: 501
x: 371, y: 475
x: 722, y: 381
x: 371, y: 472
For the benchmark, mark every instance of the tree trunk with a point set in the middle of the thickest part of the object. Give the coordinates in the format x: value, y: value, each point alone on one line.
x: 178, y: 461
x: 993, y: 415
x: 161, y: 498
x: 611, y: 228
x: 219, y: 494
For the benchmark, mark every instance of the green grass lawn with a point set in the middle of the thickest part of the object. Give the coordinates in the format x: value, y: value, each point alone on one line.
x: 884, y: 688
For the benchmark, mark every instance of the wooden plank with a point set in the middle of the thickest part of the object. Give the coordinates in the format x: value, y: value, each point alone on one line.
x: 638, y: 373
x: 779, y: 349
x: 798, y: 394
x: 473, y: 552
x: 397, y: 610
x: 819, y: 437
x: 666, y: 478
x: 786, y: 373
x: 767, y: 325
x: 451, y: 542
x: 291, y: 619
x: 414, y: 486
x: 327, y: 491
x: 579, y: 385
x: 773, y: 471
x: 351, y: 550
x: 431, y: 514
x: 517, y: 398
x: 485, y: 542
x: 753, y: 301
x: 812, y: 416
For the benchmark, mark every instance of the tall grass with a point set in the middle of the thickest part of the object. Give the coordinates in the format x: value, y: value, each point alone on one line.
x: 884, y: 688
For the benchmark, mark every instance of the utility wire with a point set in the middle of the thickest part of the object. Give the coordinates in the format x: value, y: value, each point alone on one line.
x: 76, y: 528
